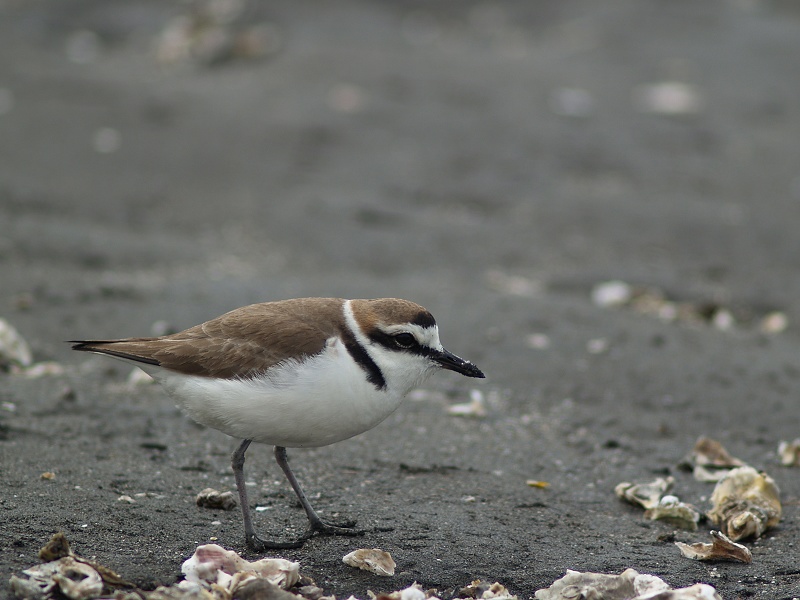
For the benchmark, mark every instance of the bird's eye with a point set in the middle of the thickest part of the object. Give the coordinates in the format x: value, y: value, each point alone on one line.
x: 405, y: 340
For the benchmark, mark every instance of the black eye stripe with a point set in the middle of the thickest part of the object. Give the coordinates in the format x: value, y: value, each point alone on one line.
x: 390, y: 342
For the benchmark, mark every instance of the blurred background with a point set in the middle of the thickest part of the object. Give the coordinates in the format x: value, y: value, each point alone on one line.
x: 498, y: 162
x: 231, y: 141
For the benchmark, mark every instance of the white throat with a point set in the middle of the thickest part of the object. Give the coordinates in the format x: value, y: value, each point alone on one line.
x: 402, y: 371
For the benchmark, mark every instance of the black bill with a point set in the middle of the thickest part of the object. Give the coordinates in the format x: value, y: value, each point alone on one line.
x: 450, y: 361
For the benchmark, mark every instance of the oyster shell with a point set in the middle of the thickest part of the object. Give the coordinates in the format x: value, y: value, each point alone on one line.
x: 646, y: 495
x: 629, y: 585
x: 673, y: 511
x: 712, y: 461
x: 214, y: 499
x: 211, y: 563
x: 790, y: 453
x: 721, y: 548
x: 373, y: 560
x: 745, y: 504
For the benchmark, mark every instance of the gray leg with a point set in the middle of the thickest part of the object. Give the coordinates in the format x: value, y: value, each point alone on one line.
x: 317, y: 524
x: 253, y: 541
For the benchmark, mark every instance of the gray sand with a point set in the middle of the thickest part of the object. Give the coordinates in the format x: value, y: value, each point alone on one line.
x: 437, y: 152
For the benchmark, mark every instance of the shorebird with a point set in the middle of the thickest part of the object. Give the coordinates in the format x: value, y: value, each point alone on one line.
x: 298, y: 373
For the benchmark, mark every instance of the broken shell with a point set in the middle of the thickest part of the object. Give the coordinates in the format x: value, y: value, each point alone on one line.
x: 698, y: 591
x: 536, y: 483
x: 74, y: 579
x: 412, y: 592
x: 482, y: 590
x: 712, y: 461
x: 612, y: 293
x: 14, y: 350
x: 721, y: 548
x: 676, y: 513
x: 774, y: 322
x: 790, y: 453
x: 708, y: 452
x: 77, y: 580
x: 746, y: 503
x: 40, y: 369
x: 626, y: 585
x: 476, y: 407
x: 56, y: 547
x: 373, y: 560
x: 255, y: 588
x: 668, y: 98
x: 629, y: 585
x: 646, y: 495
x: 214, y: 499
x: 214, y: 564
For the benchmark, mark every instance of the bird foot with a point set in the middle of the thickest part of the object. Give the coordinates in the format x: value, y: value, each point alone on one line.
x: 344, y: 528
x: 256, y: 544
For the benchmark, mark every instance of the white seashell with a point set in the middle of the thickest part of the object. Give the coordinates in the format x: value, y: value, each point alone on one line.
x: 211, y: 563
x: 13, y: 347
x: 746, y: 503
x: 373, y: 560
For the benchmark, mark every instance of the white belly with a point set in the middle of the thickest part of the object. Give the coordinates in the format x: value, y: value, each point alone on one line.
x: 315, y: 403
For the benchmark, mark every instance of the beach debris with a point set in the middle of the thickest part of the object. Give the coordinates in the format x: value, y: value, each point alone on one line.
x: 612, y: 293
x: 774, y: 322
x: 712, y: 462
x: 629, y: 585
x: 597, y: 346
x: 16, y: 357
x: 412, y: 592
x: 790, y: 453
x: 14, y: 350
x: 676, y: 513
x: 537, y: 483
x: 47, y: 475
x: 655, y: 302
x: 670, y: 98
x: 373, y: 560
x: 41, y: 369
x: 513, y: 285
x: 63, y: 571
x: 213, y: 32
x: 308, y: 589
x: 214, y: 499
x: 476, y: 407
x: 745, y: 504
x: 481, y: 590
x: 646, y: 495
x: 538, y: 341
x: 721, y: 548
x: 658, y: 505
x: 72, y: 578
x: 212, y: 564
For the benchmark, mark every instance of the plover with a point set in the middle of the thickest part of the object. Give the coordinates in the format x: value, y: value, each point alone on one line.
x: 298, y: 373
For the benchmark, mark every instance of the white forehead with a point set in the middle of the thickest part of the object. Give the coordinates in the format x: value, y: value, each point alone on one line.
x: 426, y: 336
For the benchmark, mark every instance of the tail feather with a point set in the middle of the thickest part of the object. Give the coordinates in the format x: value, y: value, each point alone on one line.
x: 107, y: 347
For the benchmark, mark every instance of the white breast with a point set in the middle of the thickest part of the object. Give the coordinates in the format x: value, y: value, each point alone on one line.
x: 322, y: 400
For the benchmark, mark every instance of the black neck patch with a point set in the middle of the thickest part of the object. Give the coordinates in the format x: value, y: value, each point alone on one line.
x: 363, y: 360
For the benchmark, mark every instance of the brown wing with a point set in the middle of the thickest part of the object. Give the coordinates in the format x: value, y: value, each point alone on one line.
x: 241, y: 343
